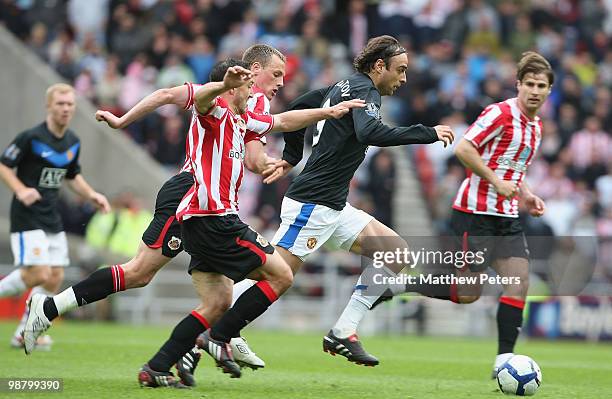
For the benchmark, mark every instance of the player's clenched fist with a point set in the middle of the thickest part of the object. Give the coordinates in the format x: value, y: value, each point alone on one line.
x: 445, y: 134
x: 28, y: 196
x: 506, y: 188
x: 108, y: 117
x: 236, y: 76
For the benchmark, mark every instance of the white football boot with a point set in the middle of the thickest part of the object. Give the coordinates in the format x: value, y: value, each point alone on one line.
x: 244, y: 356
x: 36, y: 324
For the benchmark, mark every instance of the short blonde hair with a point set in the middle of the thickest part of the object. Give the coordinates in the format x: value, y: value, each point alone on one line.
x: 261, y: 53
x: 58, y: 88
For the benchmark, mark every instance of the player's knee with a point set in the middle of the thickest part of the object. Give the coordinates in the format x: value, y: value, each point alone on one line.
x: 282, y: 279
x: 286, y: 277
x: 465, y: 299
x: 37, y: 275
x: 56, y: 275
x: 468, y: 293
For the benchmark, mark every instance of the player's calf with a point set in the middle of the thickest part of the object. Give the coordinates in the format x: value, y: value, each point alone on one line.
x: 35, y: 275
x: 139, y: 271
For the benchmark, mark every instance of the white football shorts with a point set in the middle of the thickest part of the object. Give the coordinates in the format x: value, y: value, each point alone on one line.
x: 38, y: 248
x: 306, y: 227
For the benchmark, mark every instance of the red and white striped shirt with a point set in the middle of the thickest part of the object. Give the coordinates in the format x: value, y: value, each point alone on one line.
x: 259, y: 104
x: 506, y: 141
x: 189, y: 105
x: 216, y: 152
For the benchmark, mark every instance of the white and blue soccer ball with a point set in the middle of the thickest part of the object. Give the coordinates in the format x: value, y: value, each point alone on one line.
x: 519, y: 376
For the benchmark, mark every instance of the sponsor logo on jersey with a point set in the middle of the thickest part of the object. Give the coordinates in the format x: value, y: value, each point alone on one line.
x: 51, y: 177
x: 174, y: 243
x: 372, y: 110
x: 514, y: 165
x: 311, y: 243
x: 36, y: 251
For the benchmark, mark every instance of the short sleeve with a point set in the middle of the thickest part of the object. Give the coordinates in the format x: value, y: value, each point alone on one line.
x: 259, y: 104
x: 216, y: 111
x: 259, y: 123
x: 74, y: 167
x: 14, y: 153
x: 489, y: 124
x: 192, y: 88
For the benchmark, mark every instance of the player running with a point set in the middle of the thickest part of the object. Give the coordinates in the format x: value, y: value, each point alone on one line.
x: 162, y: 240
x: 496, y: 151
x: 223, y: 249
x: 44, y: 156
x: 314, y: 210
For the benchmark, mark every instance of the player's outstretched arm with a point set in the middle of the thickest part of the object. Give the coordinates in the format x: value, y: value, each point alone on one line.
x: 470, y: 158
x: 294, y: 141
x: 178, y: 95
x: 235, y: 77
x: 26, y: 195
x: 295, y: 120
x: 371, y: 131
x: 80, y: 186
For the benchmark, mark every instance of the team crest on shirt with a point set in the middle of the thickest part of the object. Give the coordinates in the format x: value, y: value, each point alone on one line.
x: 36, y: 251
x: 174, y: 243
x: 261, y: 240
x: 372, y: 110
x: 311, y: 243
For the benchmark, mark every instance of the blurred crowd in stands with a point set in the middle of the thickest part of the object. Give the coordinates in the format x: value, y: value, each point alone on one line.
x: 462, y: 52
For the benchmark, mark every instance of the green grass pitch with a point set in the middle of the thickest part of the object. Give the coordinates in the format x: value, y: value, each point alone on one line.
x: 102, y: 360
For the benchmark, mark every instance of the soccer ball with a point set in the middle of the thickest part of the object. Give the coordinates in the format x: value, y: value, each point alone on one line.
x: 519, y: 376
